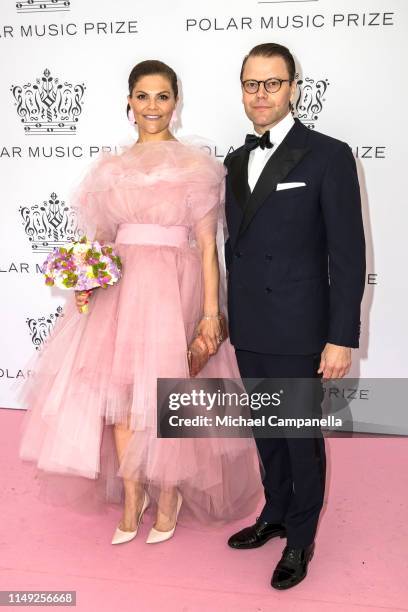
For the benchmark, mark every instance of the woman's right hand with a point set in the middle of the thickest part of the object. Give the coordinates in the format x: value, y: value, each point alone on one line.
x: 82, y: 298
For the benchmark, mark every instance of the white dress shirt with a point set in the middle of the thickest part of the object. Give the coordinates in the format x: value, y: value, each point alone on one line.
x: 258, y: 157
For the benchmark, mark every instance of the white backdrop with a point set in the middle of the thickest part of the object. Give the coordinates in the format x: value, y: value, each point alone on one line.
x: 352, y: 51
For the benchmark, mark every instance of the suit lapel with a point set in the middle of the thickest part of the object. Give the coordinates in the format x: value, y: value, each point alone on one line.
x: 280, y: 164
x: 238, y: 172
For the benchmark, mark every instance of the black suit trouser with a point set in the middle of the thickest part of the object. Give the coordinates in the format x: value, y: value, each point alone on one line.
x: 294, y: 468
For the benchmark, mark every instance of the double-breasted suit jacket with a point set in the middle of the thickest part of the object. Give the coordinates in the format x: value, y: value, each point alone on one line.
x: 295, y: 257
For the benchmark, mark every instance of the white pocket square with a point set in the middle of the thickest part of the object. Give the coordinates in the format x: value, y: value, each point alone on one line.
x: 281, y: 186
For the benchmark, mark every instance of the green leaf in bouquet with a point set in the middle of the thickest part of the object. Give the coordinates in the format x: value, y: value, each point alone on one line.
x: 70, y: 280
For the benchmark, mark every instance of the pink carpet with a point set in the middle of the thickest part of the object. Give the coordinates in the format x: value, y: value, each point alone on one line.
x: 360, y: 563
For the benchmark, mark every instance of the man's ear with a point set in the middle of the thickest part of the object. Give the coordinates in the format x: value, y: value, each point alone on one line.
x: 292, y: 94
x: 292, y: 91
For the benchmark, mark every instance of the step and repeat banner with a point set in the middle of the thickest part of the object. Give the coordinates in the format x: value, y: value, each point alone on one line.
x: 63, y: 88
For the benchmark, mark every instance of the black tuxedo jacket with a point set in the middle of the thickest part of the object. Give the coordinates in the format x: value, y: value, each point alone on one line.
x: 295, y: 258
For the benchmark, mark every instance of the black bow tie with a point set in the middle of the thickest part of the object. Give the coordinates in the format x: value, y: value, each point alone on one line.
x: 252, y: 141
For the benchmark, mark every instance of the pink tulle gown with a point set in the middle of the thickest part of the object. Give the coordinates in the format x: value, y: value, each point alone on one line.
x: 158, y: 202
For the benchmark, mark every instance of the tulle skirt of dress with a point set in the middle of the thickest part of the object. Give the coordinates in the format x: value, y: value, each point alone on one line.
x: 100, y: 369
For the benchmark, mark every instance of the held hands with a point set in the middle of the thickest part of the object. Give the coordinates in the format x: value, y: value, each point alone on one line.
x: 335, y: 361
x: 210, y: 330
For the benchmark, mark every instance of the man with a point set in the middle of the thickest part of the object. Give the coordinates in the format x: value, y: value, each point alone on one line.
x: 296, y: 270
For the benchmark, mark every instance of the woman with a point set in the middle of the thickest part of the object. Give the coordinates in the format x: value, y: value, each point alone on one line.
x: 160, y: 201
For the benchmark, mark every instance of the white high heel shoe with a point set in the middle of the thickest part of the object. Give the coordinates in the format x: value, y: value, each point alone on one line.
x: 156, y: 536
x: 120, y: 537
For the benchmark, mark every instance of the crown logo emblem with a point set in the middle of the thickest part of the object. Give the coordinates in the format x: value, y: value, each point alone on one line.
x: 48, y: 106
x: 38, y: 6
x: 309, y: 100
x: 41, y: 328
x: 50, y: 225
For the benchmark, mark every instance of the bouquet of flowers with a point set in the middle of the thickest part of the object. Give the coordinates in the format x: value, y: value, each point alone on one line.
x: 83, y: 265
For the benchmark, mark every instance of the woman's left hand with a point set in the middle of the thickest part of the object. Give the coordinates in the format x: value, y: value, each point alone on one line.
x: 210, y: 330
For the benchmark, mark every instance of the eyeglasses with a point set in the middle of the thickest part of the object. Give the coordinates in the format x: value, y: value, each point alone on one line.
x: 272, y: 85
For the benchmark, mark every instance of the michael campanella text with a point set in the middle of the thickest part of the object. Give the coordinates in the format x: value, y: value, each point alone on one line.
x: 240, y: 421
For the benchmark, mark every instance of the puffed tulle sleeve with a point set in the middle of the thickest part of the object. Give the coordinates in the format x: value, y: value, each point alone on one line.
x: 207, y: 200
x: 208, y: 223
x: 93, y: 199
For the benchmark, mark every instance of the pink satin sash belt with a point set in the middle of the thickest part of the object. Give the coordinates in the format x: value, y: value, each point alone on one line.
x: 152, y: 233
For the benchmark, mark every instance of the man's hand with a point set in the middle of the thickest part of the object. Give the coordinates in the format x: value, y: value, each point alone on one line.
x: 335, y: 361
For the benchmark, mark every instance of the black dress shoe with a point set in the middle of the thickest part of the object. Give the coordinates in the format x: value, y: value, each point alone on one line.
x: 256, y: 535
x: 292, y: 567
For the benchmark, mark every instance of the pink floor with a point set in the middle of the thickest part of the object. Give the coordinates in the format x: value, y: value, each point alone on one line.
x: 361, y: 559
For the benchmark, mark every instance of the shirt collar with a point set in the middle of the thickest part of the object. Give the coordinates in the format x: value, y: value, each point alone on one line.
x: 279, y: 131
